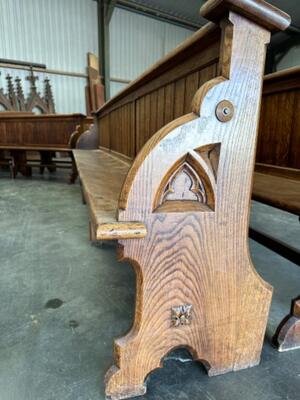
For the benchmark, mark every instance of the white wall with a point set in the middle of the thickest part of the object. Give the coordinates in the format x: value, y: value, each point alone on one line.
x: 137, y: 42
x: 58, y: 33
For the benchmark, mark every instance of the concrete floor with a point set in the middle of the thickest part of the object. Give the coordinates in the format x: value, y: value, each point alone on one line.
x: 63, y: 301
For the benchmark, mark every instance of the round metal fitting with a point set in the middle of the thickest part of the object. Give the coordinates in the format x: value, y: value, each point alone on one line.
x: 224, y: 111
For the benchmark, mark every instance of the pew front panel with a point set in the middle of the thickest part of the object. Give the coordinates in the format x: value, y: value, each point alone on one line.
x: 21, y: 133
x: 181, y: 216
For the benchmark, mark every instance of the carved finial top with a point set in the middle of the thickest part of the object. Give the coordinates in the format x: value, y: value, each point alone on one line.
x: 32, y: 79
x: 10, y: 86
x: 259, y: 11
x: 49, y: 95
x: 19, y: 86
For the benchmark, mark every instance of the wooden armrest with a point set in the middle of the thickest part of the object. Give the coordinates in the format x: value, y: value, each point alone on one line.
x: 102, y: 175
x: 258, y: 11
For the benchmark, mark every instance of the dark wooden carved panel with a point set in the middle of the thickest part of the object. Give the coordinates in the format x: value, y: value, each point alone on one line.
x: 15, y: 100
x: 46, y: 131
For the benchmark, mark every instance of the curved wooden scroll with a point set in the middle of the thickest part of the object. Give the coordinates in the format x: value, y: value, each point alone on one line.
x: 89, y: 140
x: 191, y: 186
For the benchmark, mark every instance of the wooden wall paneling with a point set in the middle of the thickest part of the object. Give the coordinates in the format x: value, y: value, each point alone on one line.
x: 275, y: 129
x: 169, y: 103
x: 132, y: 111
x: 114, y: 130
x: 125, y: 131
x: 200, y: 58
x: 179, y: 97
x: 128, y: 130
x: 104, y: 131
x: 160, y: 108
x: 147, y: 118
x: 191, y: 86
x: 208, y: 73
x: 140, y: 106
x: 153, y: 112
x: 294, y: 149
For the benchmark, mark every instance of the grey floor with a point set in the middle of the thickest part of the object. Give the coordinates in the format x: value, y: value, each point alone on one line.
x: 64, y: 300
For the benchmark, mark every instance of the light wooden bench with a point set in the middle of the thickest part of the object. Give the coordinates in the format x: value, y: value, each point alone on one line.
x: 99, y: 166
x: 181, y: 215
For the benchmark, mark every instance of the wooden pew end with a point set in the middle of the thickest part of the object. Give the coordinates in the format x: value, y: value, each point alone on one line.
x: 287, y: 336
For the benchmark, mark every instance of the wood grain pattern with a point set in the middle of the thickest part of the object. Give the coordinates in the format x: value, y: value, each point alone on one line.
x: 99, y: 166
x: 187, y: 194
x: 20, y: 133
x: 276, y: 191
x: 279, y: 133
x: 51, y: 131
x: 193, y: 265
x: 260, y: 12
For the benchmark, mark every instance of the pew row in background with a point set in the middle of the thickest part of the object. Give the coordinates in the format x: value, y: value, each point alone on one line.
x: 22, y: 133
x: 173, y: 186
x: 277, y: 176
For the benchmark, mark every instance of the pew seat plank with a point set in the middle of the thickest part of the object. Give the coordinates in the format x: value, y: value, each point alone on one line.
x: 102, y: 175
x: 277, y: 192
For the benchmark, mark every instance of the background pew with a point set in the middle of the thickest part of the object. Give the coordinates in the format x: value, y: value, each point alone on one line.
x: 45, y: 133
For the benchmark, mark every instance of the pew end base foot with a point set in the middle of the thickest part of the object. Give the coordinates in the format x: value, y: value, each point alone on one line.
x: 287, y: 336
x: 120, y: 392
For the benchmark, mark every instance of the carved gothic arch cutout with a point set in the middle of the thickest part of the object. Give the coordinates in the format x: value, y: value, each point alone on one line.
x: 190, y: 184
x: 4, y: 102
x: 35, y: 101
x: 37, y: 110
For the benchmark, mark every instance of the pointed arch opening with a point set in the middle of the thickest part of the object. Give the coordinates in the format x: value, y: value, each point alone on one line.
x: 187, y: 186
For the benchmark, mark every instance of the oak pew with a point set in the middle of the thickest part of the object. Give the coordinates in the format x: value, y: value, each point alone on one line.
x: 22, y: 133
x: 180, y: 209
x: 165, y: 92
x: 277, y: 176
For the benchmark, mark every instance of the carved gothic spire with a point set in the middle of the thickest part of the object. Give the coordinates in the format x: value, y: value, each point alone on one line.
x: 31, y: 78
x: 20, y: 94
x: 11, y: 92
x: 49, y: 99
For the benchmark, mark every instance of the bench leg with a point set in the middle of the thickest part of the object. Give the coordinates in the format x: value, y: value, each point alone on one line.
x: 46, y: 159
x: 74, y: 173
x: 20, y: 163
x: 287, y: 336
x: 179, y: 304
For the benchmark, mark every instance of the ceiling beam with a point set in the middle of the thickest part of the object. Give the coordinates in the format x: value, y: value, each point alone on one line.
x: 152, y: 12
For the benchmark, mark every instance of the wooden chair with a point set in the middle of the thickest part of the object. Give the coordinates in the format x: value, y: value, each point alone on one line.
x: 180, y: 213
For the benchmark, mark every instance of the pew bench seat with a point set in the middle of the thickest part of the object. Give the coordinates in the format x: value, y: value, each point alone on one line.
x: 102, y: 175
x: 277, y: 190
x: 277, y: 187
